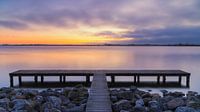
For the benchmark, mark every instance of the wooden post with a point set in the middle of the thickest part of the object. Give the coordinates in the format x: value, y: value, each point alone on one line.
x: 138, y: 79
x: 60, y: 78
x: 20, y: 80
x: 135, y: 79
x: 158, y: 79
x: 112, y: 79
x: 87, y: 79
x: 11, y: 81
x: 188, y: 81
x: 64, y: 78
x: 42, y: 78
x: 164, y: 79
x: 36, y: 79
x: 179, y: 80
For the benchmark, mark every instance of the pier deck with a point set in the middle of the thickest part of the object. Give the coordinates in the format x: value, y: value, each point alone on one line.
x: 136, y: 74
x: 99, y: 98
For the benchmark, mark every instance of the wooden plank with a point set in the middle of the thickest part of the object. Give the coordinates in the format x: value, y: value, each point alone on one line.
x: 99, y: 99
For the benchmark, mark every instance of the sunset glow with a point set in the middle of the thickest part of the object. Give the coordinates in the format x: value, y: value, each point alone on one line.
x: 95, y: 22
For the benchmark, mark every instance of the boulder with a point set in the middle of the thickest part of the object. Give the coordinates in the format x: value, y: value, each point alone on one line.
x: 174, y: 103
x: 113, y: 98
x: 126, y: 95
x: 4, y: 103
x: 133, y: 88
x: 139, y: 106
x: 122, y: 105
x: 80, y: 108
x: 176, y: 94
x: 185, y: 109
x: 55, y: 101
x: 3, y: 110
x: 22, y: 104
x: 155, y: 106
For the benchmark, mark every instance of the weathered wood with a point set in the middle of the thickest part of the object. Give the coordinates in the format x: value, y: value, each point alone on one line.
x: 99, y: 99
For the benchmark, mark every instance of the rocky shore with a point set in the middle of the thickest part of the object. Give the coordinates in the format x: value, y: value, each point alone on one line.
x: 135, y: 100
x: 50, y: 100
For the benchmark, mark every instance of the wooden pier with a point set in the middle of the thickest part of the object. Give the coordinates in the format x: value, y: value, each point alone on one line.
x: 99, y: 98
x: 136, y: 74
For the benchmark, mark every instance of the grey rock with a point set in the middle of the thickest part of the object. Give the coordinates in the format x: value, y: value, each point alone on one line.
x: 3, y: 110
x: 113, y: 98
x: 174, y: 103
x: 155, y: 106
x: 55, y: 101
x: 185, y: 109
x: 21, y: 104
x: 80, y: 108
x: 126, y: 95
x: 133, y: 88
x: 176, y: 94
x: 139, y: 103
x: 4, y: 103
x: 122, y: 105
x: 191, y: 93
x: 164, y: 92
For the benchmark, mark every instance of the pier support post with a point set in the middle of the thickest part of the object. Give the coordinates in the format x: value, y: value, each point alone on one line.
x: 179, y: 80
x: 36, y: 79
x: 60, y: 78
x: 138, y: 79
x: 188, y: 81
x: 11, y: 81
x: 20, y: 80
x: 112, y: 79
x: 42, y: 78
x: 158, y: 79
x: 164, y: 79
x: 64, y: 78
x: 135, y: 79
x: 87, y: 79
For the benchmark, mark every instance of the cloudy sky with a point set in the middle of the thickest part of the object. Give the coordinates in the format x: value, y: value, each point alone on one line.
x: 99, y: 21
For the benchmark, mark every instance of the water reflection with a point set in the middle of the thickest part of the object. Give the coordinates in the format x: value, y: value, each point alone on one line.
x: 95, y: 57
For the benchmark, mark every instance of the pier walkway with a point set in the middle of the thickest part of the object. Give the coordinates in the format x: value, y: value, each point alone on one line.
x: 99, y: 98
x: 159, y: 78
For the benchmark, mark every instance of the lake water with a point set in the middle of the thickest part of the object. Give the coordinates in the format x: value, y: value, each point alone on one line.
x: 100, y: 57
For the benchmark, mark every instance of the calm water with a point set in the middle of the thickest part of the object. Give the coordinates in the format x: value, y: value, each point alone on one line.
x: 104, y: 57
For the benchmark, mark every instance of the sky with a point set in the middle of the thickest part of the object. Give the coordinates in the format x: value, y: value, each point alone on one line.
x: 99, y: 21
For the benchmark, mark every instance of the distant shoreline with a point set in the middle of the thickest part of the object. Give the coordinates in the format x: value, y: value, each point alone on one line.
x: 181, y: 45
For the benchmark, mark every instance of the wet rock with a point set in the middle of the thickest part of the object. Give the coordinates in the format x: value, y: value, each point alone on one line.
x: 126, y: 95
x: 155, y: 106
x: 65, y: 100
x: 164, y: 92
x: 176, y: 94
x: 3, y: 95
x: 4, y: 103
x: 21, y: 104
x: 194, y: 104
x: 146, y: 95
x: 78, y: 92
x: 174, y: 103
x: 6, y: 90
x: 139, y: 102
x: 191, y: 93
x: 185, y: 109
x: 114, y: 98
x: 139, y: 106
x: 3, y: 109
x: 155, y: 96
x: 133, y: 88
x: 80, y: 108
x: 122, y: 105
x: 55, y: 101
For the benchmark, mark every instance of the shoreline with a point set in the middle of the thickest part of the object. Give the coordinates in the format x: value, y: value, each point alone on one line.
x: 130, y: 99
